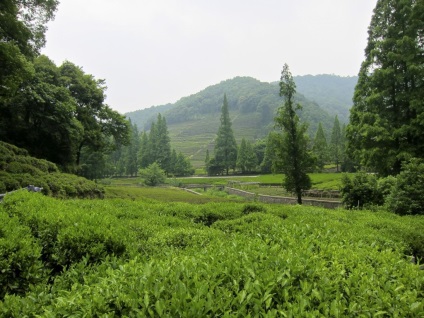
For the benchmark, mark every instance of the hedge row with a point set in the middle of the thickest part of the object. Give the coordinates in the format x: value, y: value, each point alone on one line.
x: 115, y: 258
x: 18, y: 170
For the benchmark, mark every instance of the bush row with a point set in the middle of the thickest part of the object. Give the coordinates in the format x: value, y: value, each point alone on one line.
x: 19, y: 170
x: 121, y: 258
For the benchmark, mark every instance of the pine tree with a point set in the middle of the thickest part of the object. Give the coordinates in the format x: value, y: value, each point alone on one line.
x: 225, y: 146
x: 386, y: 120
x: 293, y: 158
x: 163, y: 146
x: 336, y: 143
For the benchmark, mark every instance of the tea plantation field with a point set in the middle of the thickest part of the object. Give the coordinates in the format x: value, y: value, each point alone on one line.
x: 147, y: 258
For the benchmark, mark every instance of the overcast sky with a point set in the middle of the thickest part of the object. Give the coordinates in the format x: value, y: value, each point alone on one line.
x: 153, y: 52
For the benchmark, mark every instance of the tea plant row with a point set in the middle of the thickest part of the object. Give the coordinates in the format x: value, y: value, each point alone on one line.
x: 119, y: 258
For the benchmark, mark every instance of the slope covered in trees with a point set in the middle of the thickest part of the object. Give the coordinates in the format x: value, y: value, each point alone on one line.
x: 332, y: 93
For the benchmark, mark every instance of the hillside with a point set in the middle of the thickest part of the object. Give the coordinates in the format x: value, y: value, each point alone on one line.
x: 194, y: 120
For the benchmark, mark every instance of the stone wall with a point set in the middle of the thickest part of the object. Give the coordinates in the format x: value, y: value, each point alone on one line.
x: 283, y: 200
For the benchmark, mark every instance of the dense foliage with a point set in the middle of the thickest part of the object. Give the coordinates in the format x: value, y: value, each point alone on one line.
x: 56, y: 113
x: 336, y: 144
x: 407, y: 194
x: 361, y: 191
x: 18, y: 170
x: 386, y: 121
x: 22, y: 29
x: 143, y: 258
x: 247, y: 159
x: 59, y: 114
x: 402, y: 194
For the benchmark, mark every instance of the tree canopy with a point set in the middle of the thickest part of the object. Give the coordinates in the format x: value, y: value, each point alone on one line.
x: 22, y: 29
x: 59, y: 112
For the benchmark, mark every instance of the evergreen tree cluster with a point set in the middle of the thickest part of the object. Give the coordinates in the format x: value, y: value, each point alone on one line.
x: 147, y: 148
x: 155, y: 147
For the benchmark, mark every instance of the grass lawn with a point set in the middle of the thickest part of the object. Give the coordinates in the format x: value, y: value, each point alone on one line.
x: 163, y: 195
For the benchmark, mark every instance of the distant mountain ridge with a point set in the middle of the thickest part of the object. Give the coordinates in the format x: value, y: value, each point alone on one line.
x: 194, y: 120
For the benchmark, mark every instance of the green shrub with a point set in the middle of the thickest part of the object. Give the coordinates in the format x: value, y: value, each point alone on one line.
x: 250, y: 207
x: 153, y: 175
x: 361, y: 191
x: 407, y: 194
x: 9, y: 149
x: 20, y: 170
x: 183, y: 238
x: 17, y: 167
x: 66, y: 233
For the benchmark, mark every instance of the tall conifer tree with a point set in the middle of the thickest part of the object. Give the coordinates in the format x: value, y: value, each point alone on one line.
x: 336, y: 143
x: 386, y: 120
x: 163, y: 146
x: 293, y: 158
x: 225, y: 146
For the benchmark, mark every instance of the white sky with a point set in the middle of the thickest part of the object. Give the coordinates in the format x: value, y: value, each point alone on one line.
x: 153, y: 52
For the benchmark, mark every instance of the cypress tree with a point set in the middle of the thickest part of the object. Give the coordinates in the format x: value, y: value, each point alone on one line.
x: 293, y: 158
x: 225, y: 145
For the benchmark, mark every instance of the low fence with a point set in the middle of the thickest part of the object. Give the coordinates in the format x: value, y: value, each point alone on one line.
x: 266, y: 198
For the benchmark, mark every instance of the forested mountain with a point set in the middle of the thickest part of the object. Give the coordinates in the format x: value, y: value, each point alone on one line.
x: 193, y: 121
x: 333, y: 93
x: 245, y: 95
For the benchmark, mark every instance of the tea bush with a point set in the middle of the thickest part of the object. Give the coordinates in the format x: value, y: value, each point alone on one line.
x: 20, y: 170
x: 122, y: 258
x: 65, y: 233
x: 19, y: 257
